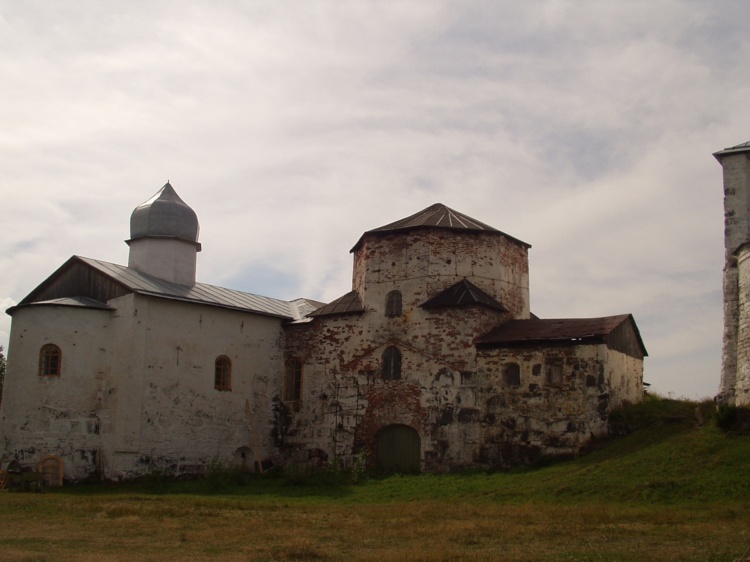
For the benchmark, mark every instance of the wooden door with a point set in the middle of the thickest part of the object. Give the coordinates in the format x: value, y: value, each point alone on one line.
x: 399, y: 449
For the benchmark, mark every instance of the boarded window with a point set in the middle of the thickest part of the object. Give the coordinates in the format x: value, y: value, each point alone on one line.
x: 393, y: 304
x: 223, y: 373
x: 555, y: 373
x: 391, y: 363
x: 512, y: 374
x: 293, y: 380
x: 50, y: 360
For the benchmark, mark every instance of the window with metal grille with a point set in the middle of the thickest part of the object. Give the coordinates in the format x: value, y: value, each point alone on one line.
x: 393, y: 304
x: 50, y: 360
x: 223, y: 373
x: 293, y: 383
x: 512, y: 374
x: 391, y: 363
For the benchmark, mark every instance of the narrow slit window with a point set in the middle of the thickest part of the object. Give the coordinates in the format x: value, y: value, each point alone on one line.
x: 391, y: 363
x: 293, y: 383
x: 393, y: 304
x: 50, y: 361
x: 223, y: 373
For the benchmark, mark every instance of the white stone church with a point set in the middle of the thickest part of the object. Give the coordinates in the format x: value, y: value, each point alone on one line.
x: 431, y: 362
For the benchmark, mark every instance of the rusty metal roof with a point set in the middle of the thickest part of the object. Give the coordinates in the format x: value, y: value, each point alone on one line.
x: 436, y: 216
x: 557, y: 330
x: 744, y: 147
x: 350, y: 303
x: 463, y: 293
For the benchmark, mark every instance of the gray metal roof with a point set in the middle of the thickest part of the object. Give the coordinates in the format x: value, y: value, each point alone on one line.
x: 164, y: 215
x: 744, y: 147
x: 436, y: 216
x: 81, y: 302
x: 202, y: 293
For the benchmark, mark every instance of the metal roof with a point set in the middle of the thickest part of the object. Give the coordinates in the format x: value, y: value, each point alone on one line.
x: 165, y: 215
x: 202, y: 293
x: 436, y: 216
x: 81, y: 302
x: 303, y: 307
x: 744, y: 147
x: 560, y: 329
x: 463, y: 293
x: 350, y: 303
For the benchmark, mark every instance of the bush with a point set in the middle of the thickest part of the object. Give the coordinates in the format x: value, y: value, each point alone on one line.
x: 221, y: 476
x: 732, y: 419
x: 338, y: 472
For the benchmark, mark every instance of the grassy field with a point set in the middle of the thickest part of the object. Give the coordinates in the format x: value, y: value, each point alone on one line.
x: 670, y: 490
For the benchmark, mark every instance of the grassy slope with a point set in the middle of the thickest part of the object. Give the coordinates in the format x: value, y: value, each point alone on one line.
x: 668, y: 459
x: 668, y: 491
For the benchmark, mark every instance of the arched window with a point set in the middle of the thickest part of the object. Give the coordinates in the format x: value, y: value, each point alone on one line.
x: 293, y: 382
x: 393, y: 303
x: 50, y: 360
x: 512, y: 374
x: 223, y: 373
x: 391, y: 363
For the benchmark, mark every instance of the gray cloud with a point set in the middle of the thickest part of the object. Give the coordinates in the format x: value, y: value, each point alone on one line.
x: 583, y: 128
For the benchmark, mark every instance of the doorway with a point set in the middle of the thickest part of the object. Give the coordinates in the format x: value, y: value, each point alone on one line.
x: 399, y: 449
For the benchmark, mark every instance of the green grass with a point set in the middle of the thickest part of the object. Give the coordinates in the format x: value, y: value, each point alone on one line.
x: 669, y: 490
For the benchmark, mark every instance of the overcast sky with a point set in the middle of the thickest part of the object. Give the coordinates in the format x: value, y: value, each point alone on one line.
x: 290, y: 127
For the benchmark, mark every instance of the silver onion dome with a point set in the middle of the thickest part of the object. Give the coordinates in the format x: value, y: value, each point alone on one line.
x: 165, y: 215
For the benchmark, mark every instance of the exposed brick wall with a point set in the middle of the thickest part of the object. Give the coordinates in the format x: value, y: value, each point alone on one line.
x: 455, y: 396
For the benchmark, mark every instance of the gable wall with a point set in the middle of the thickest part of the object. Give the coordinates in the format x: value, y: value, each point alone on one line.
x: 78, y: 280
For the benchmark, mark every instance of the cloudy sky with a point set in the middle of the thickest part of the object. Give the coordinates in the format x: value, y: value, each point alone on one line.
x: 584, y: 128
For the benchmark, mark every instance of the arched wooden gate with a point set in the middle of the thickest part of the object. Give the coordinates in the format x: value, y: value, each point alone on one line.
x: 399, y: 449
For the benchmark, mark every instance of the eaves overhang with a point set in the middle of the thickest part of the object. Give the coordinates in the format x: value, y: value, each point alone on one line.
x: 738, y: 149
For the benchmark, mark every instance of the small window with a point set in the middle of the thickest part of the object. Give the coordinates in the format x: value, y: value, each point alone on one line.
x: 393, y: 304
x: 512, y: 374
x: 50, y: 360
x: 223, y: 373
x: 555, y: 374
x: 391, y: 363
x: 293, y: 383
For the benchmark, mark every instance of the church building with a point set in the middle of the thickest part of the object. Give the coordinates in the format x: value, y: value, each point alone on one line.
x: 432, y: 361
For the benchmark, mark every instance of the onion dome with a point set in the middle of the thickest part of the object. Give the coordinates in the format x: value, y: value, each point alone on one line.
x: 165, y: 215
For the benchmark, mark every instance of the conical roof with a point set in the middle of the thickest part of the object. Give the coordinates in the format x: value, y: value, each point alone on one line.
x: 165, y: 215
